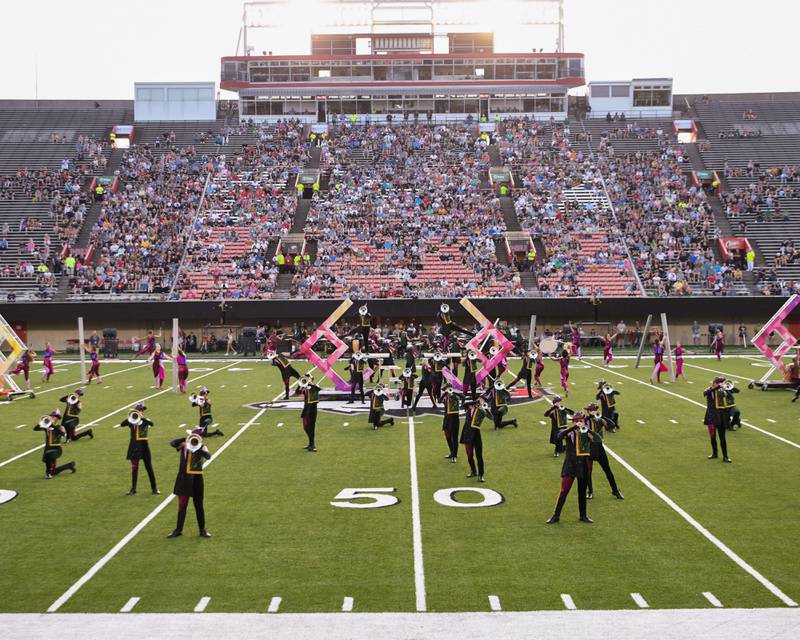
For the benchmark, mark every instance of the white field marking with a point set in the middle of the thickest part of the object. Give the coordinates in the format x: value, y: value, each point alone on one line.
x: 673, y: 421
x: 216, y: 424
x: 19, y: 426
x: 108, y: 415
x: 689, y: 382
x: 706, y: 533
x: 280, y: 424
x: 244, y: 386
x: 80, y: 382
x: 130, y: 386
x: 724, y: 373
x: 149, y: 518
x: 416, y: 526
x: 347, y: 604
x: 108, y: 386
x: 703, y: 406
x: 640, y: 421
x: 129, y: 605
x: 712, y: 599
x: 222, y: 386
x: 345, y: 424
x: 181, y: 425
x: 771, y: 420
x: 542, y: 422
x: 494, y: 603
x: 640, y: 601
x: 569, y: 603
x: 274, y: 604
x: 201, y: 606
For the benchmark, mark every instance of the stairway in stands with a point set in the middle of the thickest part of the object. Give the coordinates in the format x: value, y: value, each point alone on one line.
x: 114, y: 162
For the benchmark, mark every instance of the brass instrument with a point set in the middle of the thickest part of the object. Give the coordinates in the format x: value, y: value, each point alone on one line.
x: 727, y: 385
x: 135, y: 417
x: 193, y: 442
x: 46, y: 422
x: 607, y: 389
x: 445, y: 308
x: 73, y: 398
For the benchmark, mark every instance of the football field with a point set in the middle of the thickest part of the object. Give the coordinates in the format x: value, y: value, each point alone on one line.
x: 691, y: 533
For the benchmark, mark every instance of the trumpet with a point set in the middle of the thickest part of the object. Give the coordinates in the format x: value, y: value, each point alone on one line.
x: 608, y: 389
x: 193, y: 442
x: 46, y: 422
x: 135, y: 417
x: 73, y: 398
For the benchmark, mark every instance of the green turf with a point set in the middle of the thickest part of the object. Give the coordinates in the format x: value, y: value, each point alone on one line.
x: 276, y: 534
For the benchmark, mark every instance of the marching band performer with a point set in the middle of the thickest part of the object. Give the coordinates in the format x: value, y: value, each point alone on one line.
x: 310, y: 391
x: 47, y: 361
x: 794, y: 375
x: 575, y: 332
x: 24, y: 366
x: 94, y: 370
x: 356, y: 368
x: 438, y: 364
x: 189, y: 481
x: 471, y: 366
x: 149, y: 345
x: 364, y: 326
x: 376, y: 410
x: 578, y: 439
x: 471, y: 436
x: 156, y: 360
x: 563, y: 362
x: 526, y: 370
x: 596, y: 423
x: 447, y: 326
x: 201, y: 400
x: 450, y: 421
x: 679, y: 362
x: 606, y: 395
x: 407, y: 392
x: 287, y: 370
x: 500, y: 399
x: 139, y: 447
x: 734, y: 415
x: 559, y: 419
x: 54, y: 436
x: 71, y: 420
x: 658, y: 359
x: 716, y: 419
x: 608, y: 349
x: 425, y: 384
x: 718, y: 344
x: 183, y: 369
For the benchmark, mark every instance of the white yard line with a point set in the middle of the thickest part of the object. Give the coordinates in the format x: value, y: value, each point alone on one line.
x: 347, y: 604
x: 274, y: 604
x: 640, y: 601
x: 712, y: 599
x: 416, y: 526
x: 705, y: 532
x: 201, y: 606
x: 108, y: 415
x: 569, y: 603
x: 724, y: 373
x: 149, y: 518
x: 79, y: 383
x: 703, y: 406
x: 494, y: 603
x: 129, y: 605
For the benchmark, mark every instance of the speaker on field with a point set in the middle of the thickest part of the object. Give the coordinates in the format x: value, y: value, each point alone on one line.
x: 110, y: 332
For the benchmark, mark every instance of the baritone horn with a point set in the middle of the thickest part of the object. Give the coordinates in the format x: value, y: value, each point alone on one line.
x: 73, y: 398
x: 193, y: 442
x: 46, y: 422
x: 197, y: 399
x: 608, y: 389
x: 727, y: 385
x: 135, y: 417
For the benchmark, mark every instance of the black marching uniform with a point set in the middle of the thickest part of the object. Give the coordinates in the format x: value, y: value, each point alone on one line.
x: 438, y: 376
x: 450, y: 423
x: 608, y: 406
x: 500, y: 399
x: 525, y: 372
x: 471, y: 439
x: 425, y: 384
x: 139, y: 449
x: 206, y: 419
x: 575, y: 467
x: 189, y: 484
x: 716, y: 420
x: 364, y: 327
x: 558, y: 420
x: 54, y: 437
x: 376, y: 411
x: 309, y: 413
x: 356, y: 368
x: 72, y: 419
x: 471, y: 367
x: 287, y: 371
x: 447, y: 326
x: 407, y: 392
x: 734, y: 415
x: 599, y: 455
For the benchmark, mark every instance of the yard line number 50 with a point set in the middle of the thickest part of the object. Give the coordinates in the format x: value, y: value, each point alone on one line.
x: 377, y: 498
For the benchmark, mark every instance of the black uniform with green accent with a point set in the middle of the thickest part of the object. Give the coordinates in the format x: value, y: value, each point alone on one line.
x: 376, y: 410
x: 407, y: 392
x: 356, y: 368
x: 450, y: 422
x: 309, y: 413
x: 500, y: 400
x: 72, y: 419
x: 438, y: 376
x: 608, y: 406
x: 54, y: 437
x: 559, y: 419
x: 734, y: 415
x: 139, y: 449
x: 426, y: 384
x: 525, y: 372
x: 576, y: 467
x: 716, y: 418
x: 471, y: 367
x: 471, y: 437
x: 206, y: 419
x: 287, y: 371
x: 598, y: 451
x: 189, y: 483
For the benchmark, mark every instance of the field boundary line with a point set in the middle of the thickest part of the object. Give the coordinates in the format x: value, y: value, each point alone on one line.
x: 95, y: 568
x: 699, y: 404
x: 705, y: 532
x: 416, y: 523
x: 108, y: 415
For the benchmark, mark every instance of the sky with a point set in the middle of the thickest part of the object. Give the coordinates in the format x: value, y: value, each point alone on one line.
x: 97, y: 49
